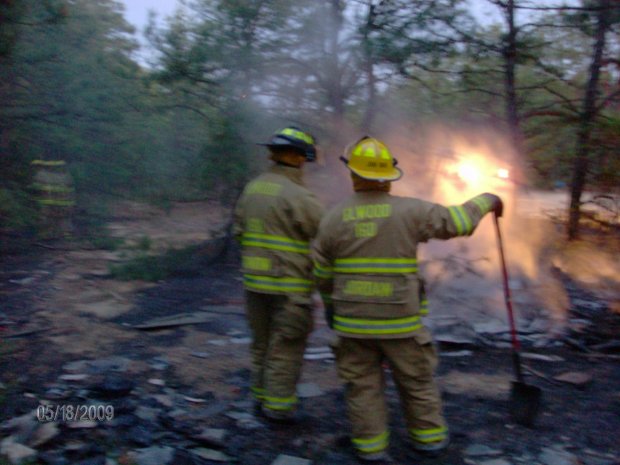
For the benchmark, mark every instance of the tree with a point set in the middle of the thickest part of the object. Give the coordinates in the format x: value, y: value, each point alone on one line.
x: 598, y: 22
x: 260, y: 54
x: 409, y: 39
x: 67, y: 87
x: 595, y: 19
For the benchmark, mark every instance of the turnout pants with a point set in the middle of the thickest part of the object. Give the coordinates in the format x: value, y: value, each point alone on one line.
x: 280, y: 327
x: 412, y: 364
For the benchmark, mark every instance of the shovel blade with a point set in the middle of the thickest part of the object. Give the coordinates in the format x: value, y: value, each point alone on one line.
x: 525, y: 403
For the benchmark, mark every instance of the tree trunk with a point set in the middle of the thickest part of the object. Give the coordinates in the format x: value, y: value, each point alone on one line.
x: 588, y: 114
x: 336, y: 92
x: 369, y: 70
x: 509, y: 53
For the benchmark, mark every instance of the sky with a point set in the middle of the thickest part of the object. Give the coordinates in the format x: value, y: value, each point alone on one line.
x: 136, y: 11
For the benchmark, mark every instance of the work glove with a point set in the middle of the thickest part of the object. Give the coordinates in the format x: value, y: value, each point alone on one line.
x: 329, y: 315
x: 496, y: 204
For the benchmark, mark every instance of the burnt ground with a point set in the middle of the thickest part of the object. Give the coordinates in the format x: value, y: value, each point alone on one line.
x: 44, y: 329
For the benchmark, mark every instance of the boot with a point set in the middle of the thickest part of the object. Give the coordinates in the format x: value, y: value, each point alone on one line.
x: 279, y: 416
x: 375, y: 457
x: 432, y: 449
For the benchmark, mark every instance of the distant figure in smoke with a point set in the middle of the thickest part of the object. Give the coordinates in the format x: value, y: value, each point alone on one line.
x: 366, y: 269
x: 53, y: 191
x: 275, y: 220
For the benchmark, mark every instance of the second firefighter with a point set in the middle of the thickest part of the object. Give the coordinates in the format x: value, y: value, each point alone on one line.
x: 275, y: 219
x: 366, y: 267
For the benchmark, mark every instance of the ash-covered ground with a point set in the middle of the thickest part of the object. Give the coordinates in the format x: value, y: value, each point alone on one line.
x: 172, y: 358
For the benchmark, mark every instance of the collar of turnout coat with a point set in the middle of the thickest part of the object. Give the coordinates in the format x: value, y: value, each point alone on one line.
x: 294, y: 174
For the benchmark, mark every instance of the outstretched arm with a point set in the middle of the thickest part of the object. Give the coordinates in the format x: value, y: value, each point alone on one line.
x: 459, y: 220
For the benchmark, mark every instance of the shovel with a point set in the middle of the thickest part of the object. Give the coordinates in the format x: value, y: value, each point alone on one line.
x: 524, y: 398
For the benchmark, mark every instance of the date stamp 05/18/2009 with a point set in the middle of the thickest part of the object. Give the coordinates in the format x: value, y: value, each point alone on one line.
x: 66, y: 413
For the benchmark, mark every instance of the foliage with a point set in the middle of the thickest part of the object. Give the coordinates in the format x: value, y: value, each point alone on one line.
x: 16, y: 210
x: 606, y: 170
x: 156, y: 267
x: 224, y: 74
x: 105, y: 241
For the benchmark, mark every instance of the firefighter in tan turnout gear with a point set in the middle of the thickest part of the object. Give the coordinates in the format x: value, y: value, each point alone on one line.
x: 366, y: 269
x: 54, y: 192
x: 276, y: 217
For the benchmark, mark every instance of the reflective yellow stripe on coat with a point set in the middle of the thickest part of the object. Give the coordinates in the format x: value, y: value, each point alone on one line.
x: 424, y: 307
x: 462, y: 221
x: 369, y: 327
x: 322, y: 272
x: 268, y: 283
x: 269, y: 241
x: 56, y: 188
x: 376, y: 265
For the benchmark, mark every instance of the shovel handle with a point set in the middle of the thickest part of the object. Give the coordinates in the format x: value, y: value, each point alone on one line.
x: 507, y: 297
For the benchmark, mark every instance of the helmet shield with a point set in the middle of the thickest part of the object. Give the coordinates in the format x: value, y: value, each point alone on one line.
x: 370, y: 159
x: 293, y: 137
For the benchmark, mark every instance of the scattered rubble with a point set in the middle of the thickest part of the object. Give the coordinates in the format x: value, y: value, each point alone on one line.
x: 557, y: 456
x: 579, y: 379
x: 43, y: 434
x: 495, y: 462
x: 542, y: 357
x: 318, y: 353
x: 175, y: 320
x: 155, y: 455
x: 457, y: 353
x: 73, y: 377
x: 162, y: 418
x: 480, y: 450
x: 289, y: 460
x: 213, y: 437
x: 15, y: 452
x: 210, y: 454
x: 307, y: 390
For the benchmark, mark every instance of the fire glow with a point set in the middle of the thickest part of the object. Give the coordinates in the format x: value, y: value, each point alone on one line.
x: 451, y: 167
x: 469, y: 173
x: 503, y: 173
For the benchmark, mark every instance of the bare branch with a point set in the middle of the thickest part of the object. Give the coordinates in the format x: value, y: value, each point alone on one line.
x: 535, y: 86
x: 190, y: 108
x: 569, y: 103
x: 549, y: 70
x: 549, y: 25
x: 608, y: 99
x: 547, y: 113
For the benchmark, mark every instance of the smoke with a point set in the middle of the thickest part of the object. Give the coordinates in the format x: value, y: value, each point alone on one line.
x: 463, y: 276
x: 593, y: 267
x: 450, y: 166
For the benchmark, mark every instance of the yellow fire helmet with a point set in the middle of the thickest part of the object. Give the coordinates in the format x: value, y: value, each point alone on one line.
x: 370, y: 159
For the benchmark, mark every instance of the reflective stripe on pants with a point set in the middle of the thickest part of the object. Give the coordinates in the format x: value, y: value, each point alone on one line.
x: 258, y: 392
x: 429, y: 435
x: 412, y: 361
x: 280, y: 403
x: 374, y: 444
x: 280, y: 328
